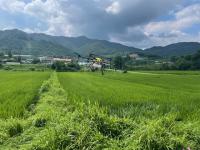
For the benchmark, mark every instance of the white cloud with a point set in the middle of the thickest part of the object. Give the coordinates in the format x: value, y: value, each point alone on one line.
x: 114, y: 8
x: 49, y: 11
x: 183, y: 19
x: 172, y: 31
x: 12, y: 5
x: 125, y: 21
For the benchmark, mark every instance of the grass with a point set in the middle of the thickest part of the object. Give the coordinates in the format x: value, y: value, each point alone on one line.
x: 124, y: 93
x: 18, y: 90
x: 134, y: 111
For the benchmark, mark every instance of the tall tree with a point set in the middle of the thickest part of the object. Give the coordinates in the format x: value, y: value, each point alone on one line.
x: 10, y: 54
x: 119, y: 62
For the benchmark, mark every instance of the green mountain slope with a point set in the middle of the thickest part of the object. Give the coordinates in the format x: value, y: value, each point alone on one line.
x: 177, y: 49
x: 42, y: 44
x: 21, y: 42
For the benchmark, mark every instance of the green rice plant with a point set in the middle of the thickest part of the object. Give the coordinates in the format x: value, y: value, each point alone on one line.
x: 113, y: 112
x: 15, y: 129
x: 125, y: 94
x: 18, y: 91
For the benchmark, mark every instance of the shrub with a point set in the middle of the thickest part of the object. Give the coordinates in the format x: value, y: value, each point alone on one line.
x: 32, y: 69
x: 125, y: 71
x: 61, y: 67
x: 7, y: 68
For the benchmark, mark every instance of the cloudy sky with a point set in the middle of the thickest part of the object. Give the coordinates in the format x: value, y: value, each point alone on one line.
x: 138, y: 23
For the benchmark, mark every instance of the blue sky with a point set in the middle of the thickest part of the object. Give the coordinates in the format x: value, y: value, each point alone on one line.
x: 138, y: 23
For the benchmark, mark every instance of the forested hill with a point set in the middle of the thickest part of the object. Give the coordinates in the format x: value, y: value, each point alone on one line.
x: 177, y: 49
x: 18, y: 41
x: 42, y: 44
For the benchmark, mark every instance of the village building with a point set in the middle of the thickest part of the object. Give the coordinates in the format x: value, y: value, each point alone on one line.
x: 65, y: 60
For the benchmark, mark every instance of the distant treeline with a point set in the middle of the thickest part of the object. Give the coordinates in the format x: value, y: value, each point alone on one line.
x: 188, y: 62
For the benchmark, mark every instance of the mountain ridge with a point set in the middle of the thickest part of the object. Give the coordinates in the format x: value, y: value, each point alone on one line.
x: 59, y: 45
x: 42, y: 44
x: 175, y: 49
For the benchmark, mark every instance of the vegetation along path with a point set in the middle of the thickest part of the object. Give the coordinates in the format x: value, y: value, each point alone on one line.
x: 71, y: 114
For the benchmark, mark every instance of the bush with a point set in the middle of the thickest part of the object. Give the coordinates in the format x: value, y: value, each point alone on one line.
x: 32, y: 69
x: 58, y: 66
x: 7, y: 68
x: 36, y: 61
x: 125, y: 71
x: 61, y: 67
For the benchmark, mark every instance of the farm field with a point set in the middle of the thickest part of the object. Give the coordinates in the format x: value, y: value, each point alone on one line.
x: 82, y: 110
x: 166, y: 93
x: 18, y: 90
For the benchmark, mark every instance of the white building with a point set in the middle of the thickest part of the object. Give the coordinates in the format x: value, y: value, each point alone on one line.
x: 65, y: 60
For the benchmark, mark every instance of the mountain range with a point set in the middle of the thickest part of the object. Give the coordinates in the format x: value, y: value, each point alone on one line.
x: 21, y: 42
x: 42, y: 44
x: 177, y: 49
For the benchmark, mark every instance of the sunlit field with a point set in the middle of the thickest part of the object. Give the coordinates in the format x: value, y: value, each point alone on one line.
x: 18, y: 90
x: 84, y: 110
x: 164, y: 92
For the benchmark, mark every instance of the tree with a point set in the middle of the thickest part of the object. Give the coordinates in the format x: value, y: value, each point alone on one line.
x: 58, y: 66
x: 174, y: 59
x: 61, y: 66
x: 196, y: 61
x: 10, y: 54
x: 1, y: 55
x: 196, y: 56
x: 183, y: 64
x: 19, y: 59
x: 36, y: 61
x: 119, y: 62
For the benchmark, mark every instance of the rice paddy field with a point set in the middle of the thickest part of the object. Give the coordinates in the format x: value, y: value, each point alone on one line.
x: 166, y: 92
x: 82, y: 110
x: 18, y: 90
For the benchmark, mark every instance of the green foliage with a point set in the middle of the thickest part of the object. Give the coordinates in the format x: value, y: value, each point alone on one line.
x: 1, y: 55
x: 164, y: 133
x: 62, y: 67
x: 15, y: 129
x: 36, y: 61
x: 10, y: 54
x: 134, y: 88
x: 188, y: 62
x: 58, y: 66
x: 119, y: 62
x: 18, y: 90
x: 40, y: 122
x: 132, y: 111
x: 41, y: 44
x: 177, y: 49
x: 27, y: 67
